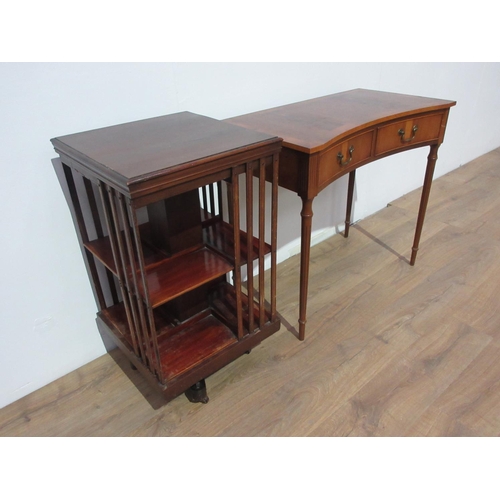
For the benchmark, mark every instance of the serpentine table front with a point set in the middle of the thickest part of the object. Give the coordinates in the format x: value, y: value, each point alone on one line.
x: 331, y: 136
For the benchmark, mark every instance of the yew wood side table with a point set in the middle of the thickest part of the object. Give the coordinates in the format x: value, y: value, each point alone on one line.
x: 328, y: 137
x: 159, y: 207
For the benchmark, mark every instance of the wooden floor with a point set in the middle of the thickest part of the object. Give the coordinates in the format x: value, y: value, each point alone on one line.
x: 390, y: 350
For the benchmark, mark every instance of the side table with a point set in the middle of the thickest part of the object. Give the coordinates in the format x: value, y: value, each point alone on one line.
x: 331, y: 136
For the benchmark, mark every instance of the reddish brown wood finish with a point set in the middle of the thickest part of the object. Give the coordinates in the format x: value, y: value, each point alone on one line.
x: 141, y: 158
x: 313, y: 125
x: 183, y: 273
x: 177, y: 317
x: 328, y: 137
x: 220, y: 237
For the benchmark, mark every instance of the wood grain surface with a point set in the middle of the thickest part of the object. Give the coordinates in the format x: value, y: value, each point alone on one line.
x: 392, y: 350
x: 311, y: 125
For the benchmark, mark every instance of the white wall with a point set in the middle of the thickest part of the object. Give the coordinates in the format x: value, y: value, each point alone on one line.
x: 47, y: 326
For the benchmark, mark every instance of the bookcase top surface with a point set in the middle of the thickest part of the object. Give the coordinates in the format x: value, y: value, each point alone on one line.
x: 141, y: 148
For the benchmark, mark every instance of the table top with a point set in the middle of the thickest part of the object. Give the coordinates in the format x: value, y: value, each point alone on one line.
x: 312, y: 125
x: 153, y: 146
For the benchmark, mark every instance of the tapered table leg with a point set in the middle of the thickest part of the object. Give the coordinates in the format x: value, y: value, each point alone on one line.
x: 350, y: 195
x: 305, y: 251
x: 426, y: 189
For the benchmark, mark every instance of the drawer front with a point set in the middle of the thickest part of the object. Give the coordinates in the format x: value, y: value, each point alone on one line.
x: 343, y: 157
x: 408, y: 133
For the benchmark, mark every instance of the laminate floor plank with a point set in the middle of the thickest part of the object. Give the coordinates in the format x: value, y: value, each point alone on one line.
x: 396, y: 397
x: 390, y: 349
x: 457, y: 412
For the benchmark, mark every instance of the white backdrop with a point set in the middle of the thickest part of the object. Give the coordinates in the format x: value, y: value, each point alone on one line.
x: 47, y: 310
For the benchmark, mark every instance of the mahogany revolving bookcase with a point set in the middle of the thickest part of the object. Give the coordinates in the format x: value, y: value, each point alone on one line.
x: 176, y: 234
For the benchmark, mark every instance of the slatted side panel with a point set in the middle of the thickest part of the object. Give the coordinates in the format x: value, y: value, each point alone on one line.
x: 96, y: 218
x: 138, y: 270
x: 116, y: 241
x: 232, y: 236
x: 127, y: 253
x: 256, y: 208
x: 79, y: 220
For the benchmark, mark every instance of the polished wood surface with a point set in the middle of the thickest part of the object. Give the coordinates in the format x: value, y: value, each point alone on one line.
x: 148, y: 159
x: 148, y: 147
x: 393, y: 350
x: 331, y: 136
x: 180, y: 274
x: 181, y: 312
x: 220, y: 237
x: 313, y: 125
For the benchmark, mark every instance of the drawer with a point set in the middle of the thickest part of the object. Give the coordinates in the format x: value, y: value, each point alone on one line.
x: 408, y: 133
x: 343, y: 157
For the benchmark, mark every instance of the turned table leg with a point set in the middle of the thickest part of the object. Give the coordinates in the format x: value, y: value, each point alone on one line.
x: 305, y: 251
x: 426, y: 189
x: 350, y: 194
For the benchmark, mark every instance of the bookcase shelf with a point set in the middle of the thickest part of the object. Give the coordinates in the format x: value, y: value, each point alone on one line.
x: 102, y: 250
x: 183, y: 346
x: 220, y: 237
x: 180, y: 274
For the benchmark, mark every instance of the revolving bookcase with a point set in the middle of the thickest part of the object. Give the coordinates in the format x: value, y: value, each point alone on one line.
x: 178, y: 235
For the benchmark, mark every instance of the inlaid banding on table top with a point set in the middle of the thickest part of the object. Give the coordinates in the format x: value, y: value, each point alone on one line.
x: 313, y: 125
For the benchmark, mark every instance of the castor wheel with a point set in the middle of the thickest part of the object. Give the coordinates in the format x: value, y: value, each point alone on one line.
x: 249, y: 351
x: 197, y: 393
x: 133, y: 366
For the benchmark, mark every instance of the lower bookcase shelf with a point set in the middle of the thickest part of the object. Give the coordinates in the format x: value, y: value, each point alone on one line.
x: 194, y: 343
x: 181, y: 347
x: 189, y: 352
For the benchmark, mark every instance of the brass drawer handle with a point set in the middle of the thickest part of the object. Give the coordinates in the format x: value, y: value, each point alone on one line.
x: 340, y: 157
x: 401, y: 132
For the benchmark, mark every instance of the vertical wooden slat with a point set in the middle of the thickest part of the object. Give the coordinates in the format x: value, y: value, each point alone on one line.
x: 205, y: 202
x: 237, y: 250
x: 219, y: 198
x: 250, y: 256
x: 93, y: 207
x: 212, y: 199
x: 111, y: 224
x: 89, y: 258
x: 262, y: 234
x: 126, y: 272
x: 274, y: 234
x: 140, y: 258
x: 131, y: 270
x: 99, y: 232
x: 229, y: 193
x: 76, y: 204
